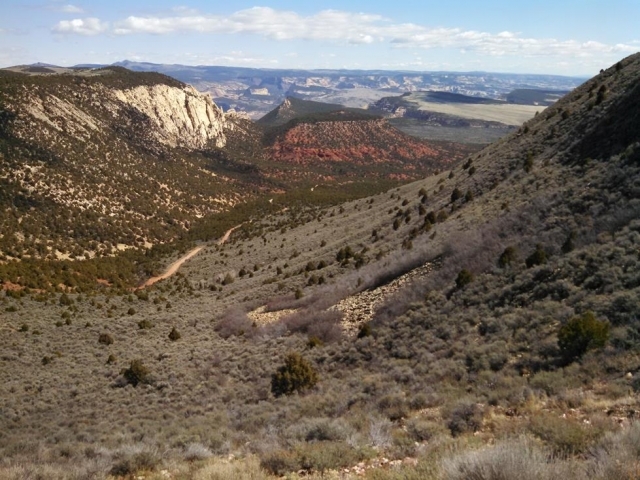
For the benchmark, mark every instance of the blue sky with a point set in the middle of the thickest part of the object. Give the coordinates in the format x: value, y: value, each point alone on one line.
x: 566, y: 37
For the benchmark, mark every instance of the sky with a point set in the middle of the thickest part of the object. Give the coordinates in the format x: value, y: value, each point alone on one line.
x: 564, y: 37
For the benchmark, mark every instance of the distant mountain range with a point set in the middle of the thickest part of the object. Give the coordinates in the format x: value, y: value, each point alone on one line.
x: 257, y: 91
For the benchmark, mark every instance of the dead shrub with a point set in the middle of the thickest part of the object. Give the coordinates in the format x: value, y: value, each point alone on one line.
x: 324, y: 325
x: 234, y: 322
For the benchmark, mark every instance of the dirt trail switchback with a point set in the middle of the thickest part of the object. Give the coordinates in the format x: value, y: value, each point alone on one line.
x: 173, y: 268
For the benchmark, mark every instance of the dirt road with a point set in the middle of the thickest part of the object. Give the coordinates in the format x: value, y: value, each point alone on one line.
x: 173, y: 268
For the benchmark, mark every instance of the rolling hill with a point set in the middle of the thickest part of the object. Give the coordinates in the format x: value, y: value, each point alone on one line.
x: 292, y: 108
x: 348, y: 142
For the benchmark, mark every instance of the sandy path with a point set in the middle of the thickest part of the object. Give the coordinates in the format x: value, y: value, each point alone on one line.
x: 173, y: 268
x: 227, y: 234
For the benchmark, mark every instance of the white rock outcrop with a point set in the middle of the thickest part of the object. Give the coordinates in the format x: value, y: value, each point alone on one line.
x: 184, y: 117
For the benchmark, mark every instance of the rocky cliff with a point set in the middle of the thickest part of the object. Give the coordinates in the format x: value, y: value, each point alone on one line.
x: 171, y: 115
x: 182, y: 116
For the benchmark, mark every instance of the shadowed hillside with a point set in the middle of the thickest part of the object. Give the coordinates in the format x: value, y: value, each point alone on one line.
x: 293, y: 107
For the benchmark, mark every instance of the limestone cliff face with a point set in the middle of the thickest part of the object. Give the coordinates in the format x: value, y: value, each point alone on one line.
x: 168, y: 115
x: 98, y: 160
x: 182, y: 116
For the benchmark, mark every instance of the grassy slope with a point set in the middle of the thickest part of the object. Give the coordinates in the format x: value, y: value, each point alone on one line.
x: 440, y: 362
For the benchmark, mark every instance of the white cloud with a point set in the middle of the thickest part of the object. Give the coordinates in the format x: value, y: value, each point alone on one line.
x: 346, y: 28
x: 330, y: 25
x: 81, y: 26
x: 504, y: 43
x: 71, y: 9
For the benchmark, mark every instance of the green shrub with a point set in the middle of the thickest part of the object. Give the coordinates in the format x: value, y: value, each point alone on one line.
x: 137, y: 373
x: 569, y: 243
x: 508, y: 257
x: 314, y: 341
x: 365, y: 331
x: 465, y: 277
x: 105, y: 339
x: 174, y: 334
x: 142, y: 295
x: 468, y: 197
x: 145, y: 324
x: 442, y: 216
x: 297, y: 374
x: 580, y: 334
x: 65, y: 300
x: 528, y: 163
x: 456, y: 194
x: 344, y: 254
x: 538, y: 257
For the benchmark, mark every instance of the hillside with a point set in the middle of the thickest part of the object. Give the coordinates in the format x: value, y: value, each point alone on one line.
x: 441, y: 115
x: 82, y: 176
x: 292, y: 108
x: 527, y: 96
x: 477, y: 323
x: 348, y: 145
x: 145, y: 166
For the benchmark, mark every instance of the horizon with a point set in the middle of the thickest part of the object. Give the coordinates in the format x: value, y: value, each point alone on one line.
x: 311, y: 69
x: 574, y: 39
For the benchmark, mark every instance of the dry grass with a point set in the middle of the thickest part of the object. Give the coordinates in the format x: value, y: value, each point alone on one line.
x: 507, y: 114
